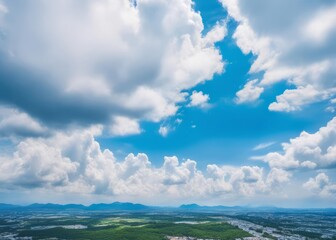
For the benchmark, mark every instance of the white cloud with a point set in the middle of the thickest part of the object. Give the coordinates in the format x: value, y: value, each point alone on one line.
x: 3, y: 8
x: 246, y: 180
x: 169, y: 126
x: 308, y: 164
x: 16, y: 123
x: 138, y: 67
x: 123, y: 126
x: 176, y: 173
x: 309, y: 150
x: 178, y: 121
x: 199, y: 99
x: 31, y: 164
x: 217, y: 33
x: 294, y: 99
x: 332, y: 107
x: 277, y: 176
x: 164, y: 130
x: 321, y: 185
x: 296, y: 46
x: 81, y: 166
x: 263, y: 146
x: 321, y: 25
x: 249, y: 93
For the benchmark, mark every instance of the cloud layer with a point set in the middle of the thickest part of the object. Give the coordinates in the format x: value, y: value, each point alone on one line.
x: 79, y: 165
x: 87, y: 62
x: 292, y: 42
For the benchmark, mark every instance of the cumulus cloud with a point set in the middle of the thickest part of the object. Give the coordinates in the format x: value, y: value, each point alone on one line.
x: 245, y: 180
x: 30, y: 166
x: 123, y: 126
x: 81, y: 166
x: 321, y: 185
x: 176, y: 173
x: 249, y: 93
x: 293, y: 42
x: 16, y: 123
x: 309, y: 150
x: 277, y: 176
x: 87, y: 62
x: 294, y: 99
x: 199, y: 99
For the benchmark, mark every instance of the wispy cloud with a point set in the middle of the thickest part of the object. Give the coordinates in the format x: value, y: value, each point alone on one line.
x: 263, y: 146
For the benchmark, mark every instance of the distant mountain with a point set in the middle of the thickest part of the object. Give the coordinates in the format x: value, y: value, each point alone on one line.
x: 51, y: 206
x: 196, y: 207
x: 190, y: 206
x: 127, y: 206
x: 118, y: 206
x: 7, y: 206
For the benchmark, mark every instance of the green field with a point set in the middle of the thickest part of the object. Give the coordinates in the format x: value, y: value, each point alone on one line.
x: 130, y: 227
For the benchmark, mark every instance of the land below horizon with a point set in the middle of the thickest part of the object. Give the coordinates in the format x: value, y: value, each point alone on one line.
x: 187, y: 222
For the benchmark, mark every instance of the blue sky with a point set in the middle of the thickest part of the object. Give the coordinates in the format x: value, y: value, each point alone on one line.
x: 216, y: 102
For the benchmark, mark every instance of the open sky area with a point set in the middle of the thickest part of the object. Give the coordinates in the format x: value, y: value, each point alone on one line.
x: 215, y: 102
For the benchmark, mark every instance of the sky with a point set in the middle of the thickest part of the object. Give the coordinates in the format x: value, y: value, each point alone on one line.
x: 217, y: 102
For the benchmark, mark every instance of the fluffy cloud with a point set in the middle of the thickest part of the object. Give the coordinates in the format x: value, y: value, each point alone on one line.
x: 199, y: 99
x: 31, y: 164
x: 321, y: 185
x: 123, y: 126
x: 294, y: 99
x: 16, y: 123
x: 249, y: 93
x: 87, y: 62
x: 79, y: 165
x: 309, y: 150
x: 292, y: 41
x: 277, y: 176
x: 175, y: 173
x: 245, y: 180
